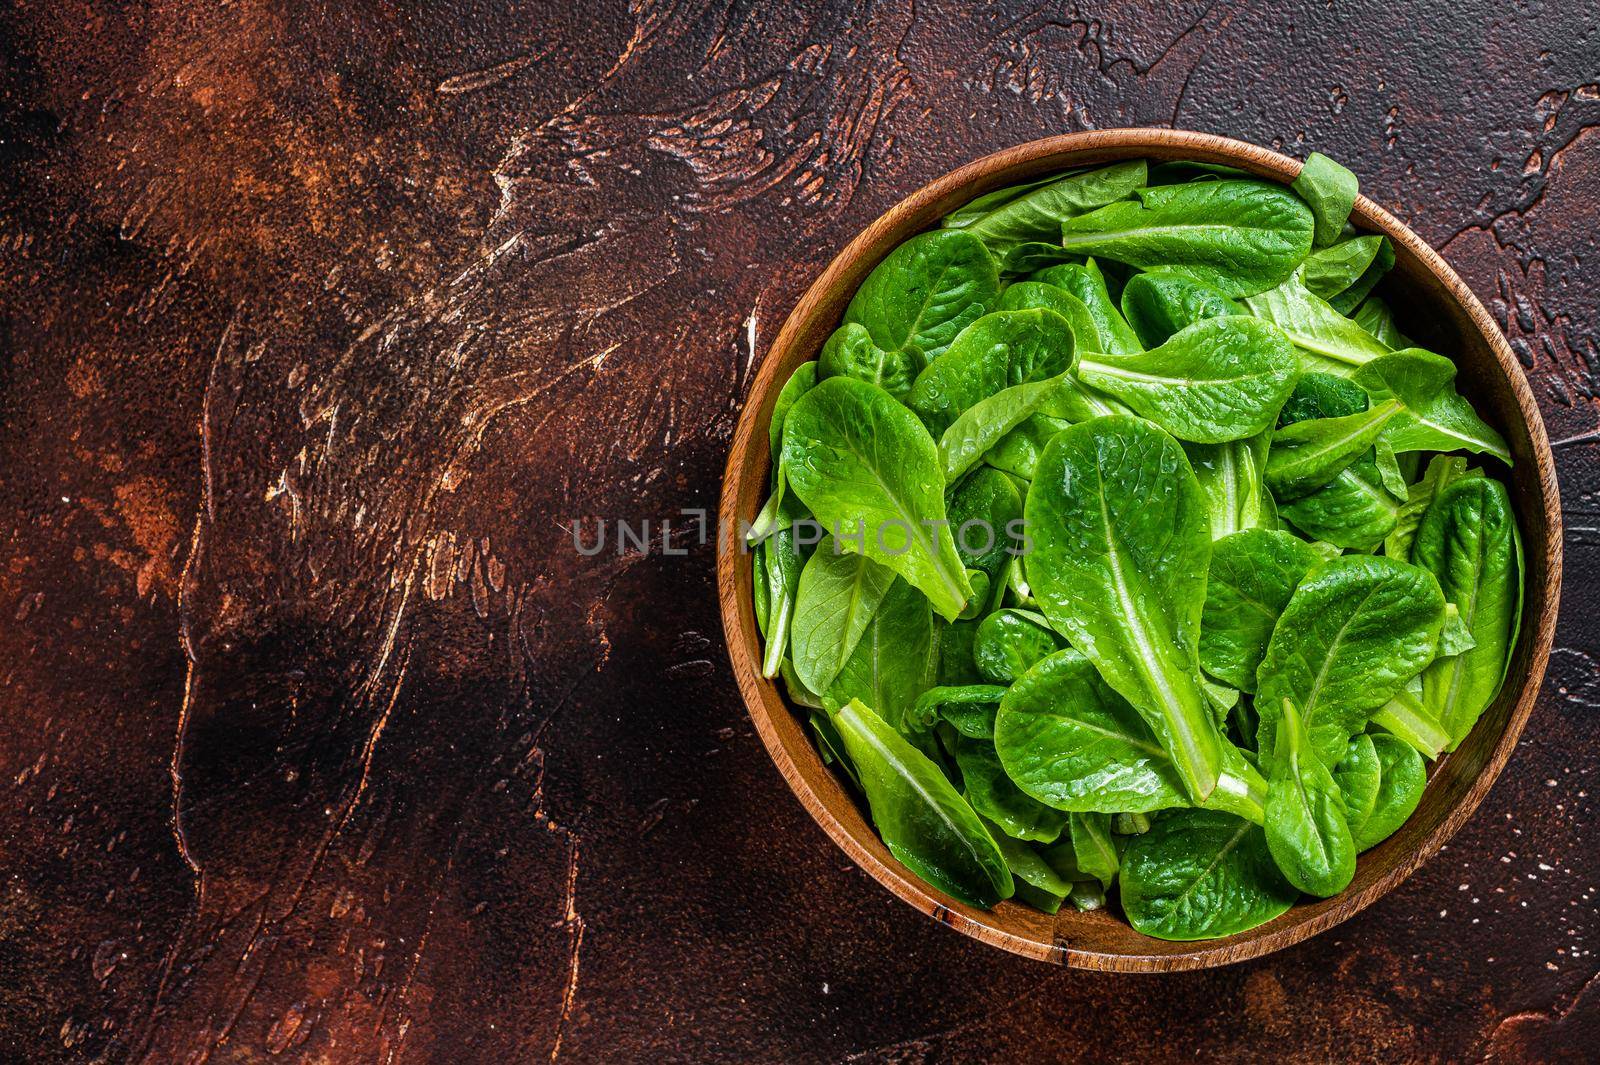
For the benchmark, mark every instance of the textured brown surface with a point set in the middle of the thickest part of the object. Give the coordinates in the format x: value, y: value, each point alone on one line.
x: 321, y: 321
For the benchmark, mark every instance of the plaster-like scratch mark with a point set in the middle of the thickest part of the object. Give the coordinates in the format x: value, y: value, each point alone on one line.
x: 176, y: 772
x: 750, y: 342
x: 208, y: 512
x: 391, y: 633
x: 473, y: 80
x: 168, y: 965
x: 233, y: 1018
x: 901, y: 1050
x: 1532, y: 1034
x: 373, y: 736
x: 416, y: 958
x: 574, y: 922
x: 1205, y: 48
x: 1581, y: 438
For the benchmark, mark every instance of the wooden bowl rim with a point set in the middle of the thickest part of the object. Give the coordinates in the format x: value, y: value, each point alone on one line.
x: 762, y: 698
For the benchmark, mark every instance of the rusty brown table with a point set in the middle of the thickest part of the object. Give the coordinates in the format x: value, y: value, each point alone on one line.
x: 320, y: 324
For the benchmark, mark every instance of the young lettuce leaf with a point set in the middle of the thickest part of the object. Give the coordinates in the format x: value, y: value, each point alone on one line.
x: 1469, y: 541
x: 1094, y: 850
x: 1233, y: 477
x: 926, y: 291
x: 839, y: 592
x: 1375, y: 316
x: 985, y: 516
x: 1402, y: 779
x: 997, y: 352
x: 1010, y: 642
x: 1039, y: 883
x: 1355, y: 630
x: 1435, y: 417
x: 1307, y: 829
x: 760, y: 590
x: 1036, y: 215
x: 1309, y: 454
x: 799, y: 694
x: 831, y: 746
x: 1405, y: 718
x: 931, y: 829
x: 1253, y: 575
x: 1330, y: 189
x: 780, y: 570
x: 1327, y: 273
x: 1070, y: 741
x: 1198, y: 874
x: 869, y: 471
x: 1121, y: 541
x: 1390, y: 475
x: 981, y: 427
x: 1352, y: 511
x: 975, y: 209
x: 1159, y: 304
x: 1071, y: 399
x: 1334, y: 270
x: 799, y: 383
x: 1442, y: 471
x: 1357, y: 775
x: 994, y: 796
x: 893, y: 660
x: 1018, y: 451
x: 850, y: 352
x: 1217, y: 380
x: 780, y: 509
x: 1322, y: 395
x: 1178, y: 171
x: 967, y: 708
x: 1086, y: 282
x: 1239, y: 237
x: 1036, y: 295
x: 1329, y: 341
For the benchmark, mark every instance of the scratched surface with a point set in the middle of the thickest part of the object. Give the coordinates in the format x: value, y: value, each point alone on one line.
x: 320, y: 324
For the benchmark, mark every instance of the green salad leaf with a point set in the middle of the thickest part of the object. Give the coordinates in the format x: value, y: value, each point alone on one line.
x: 1121, y: 544
x: 1087, y: 283
x: 850, y: 352
x: 1159, y: 304
x: 924, y: 822
x: 1306, y: 825
x: 1217, y: 380
x: 1199, y: 874
x: 926, y: 291
x: 1330, y: 188
x: 997, y: 352
x: 867, y: 468
x: 1252, y: 577
x: 1355, y: 629
x: 1469, y: 541
x: 1402, y: 778
x: 1036, y: 215
x: 1239, y: 237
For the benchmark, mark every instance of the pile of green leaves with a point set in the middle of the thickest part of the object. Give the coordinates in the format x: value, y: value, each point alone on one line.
x: 1155, y: 571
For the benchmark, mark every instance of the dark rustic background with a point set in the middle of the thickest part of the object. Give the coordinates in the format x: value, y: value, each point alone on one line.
x: 321, y: 322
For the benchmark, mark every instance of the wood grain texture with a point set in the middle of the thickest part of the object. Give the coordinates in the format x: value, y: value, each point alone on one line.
x: 1432, y: 304
x: 320, y: 325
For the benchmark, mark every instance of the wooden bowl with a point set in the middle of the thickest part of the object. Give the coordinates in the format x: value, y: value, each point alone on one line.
x: 1431, y: 303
